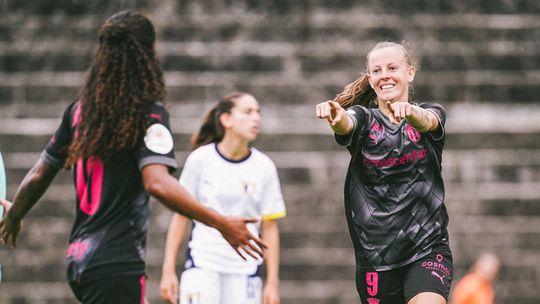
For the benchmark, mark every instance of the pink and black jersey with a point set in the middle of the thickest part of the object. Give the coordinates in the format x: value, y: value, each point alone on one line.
x: 394, y: 192
x: 112, y: 212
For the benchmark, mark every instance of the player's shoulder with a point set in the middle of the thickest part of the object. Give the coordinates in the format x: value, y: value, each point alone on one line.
x: 261, y: 157
x: 203, y: 152
x: 158, y: 113
x: 359, y: 110
x: 429, y: 104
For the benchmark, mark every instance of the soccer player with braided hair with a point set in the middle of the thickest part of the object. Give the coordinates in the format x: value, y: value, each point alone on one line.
x: 117, y: 139
x: 394, y: 192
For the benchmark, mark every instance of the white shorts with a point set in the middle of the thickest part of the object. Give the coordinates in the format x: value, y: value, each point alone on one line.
x: 200, y: 286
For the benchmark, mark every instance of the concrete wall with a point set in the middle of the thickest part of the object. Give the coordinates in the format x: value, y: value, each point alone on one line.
x: 477, y: 58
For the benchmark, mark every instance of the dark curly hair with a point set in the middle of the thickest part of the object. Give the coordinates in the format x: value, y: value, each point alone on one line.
x: 123, y: 81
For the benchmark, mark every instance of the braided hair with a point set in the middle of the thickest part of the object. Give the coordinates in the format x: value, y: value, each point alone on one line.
x: 123, y: 81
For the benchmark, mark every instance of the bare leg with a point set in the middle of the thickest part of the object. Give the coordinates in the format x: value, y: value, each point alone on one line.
x: 427, y: 298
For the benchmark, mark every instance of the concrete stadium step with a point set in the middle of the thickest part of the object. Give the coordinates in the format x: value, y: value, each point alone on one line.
x: 45, y: 94
x: 66, y: 61
x: 74, y: 9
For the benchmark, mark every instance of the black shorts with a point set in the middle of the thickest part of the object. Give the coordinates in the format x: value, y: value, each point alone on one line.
x: 432, y: 273
x: 121, y: 289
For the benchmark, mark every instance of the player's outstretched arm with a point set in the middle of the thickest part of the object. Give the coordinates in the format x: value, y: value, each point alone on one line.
x: 176, y: 234
x: 34, y: 184
x: 160, y: 184
x: 336, y: 116
x: 423, y: 120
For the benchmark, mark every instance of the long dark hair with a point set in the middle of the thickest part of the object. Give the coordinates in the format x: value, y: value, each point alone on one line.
x: 123, y: 80
x: 359, y: 92
x: 211, y: 129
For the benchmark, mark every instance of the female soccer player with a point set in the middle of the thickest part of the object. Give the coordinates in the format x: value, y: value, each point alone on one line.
x: 226, y: 174
x: 116, y: 137
x: 394, y: 192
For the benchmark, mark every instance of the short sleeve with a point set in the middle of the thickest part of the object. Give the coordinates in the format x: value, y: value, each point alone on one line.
x: 439, y: 112
x: 56, y: 151
x: 189, y: 178
x: 272, y: 204
x: 359, y: 116
x: 158, y: 144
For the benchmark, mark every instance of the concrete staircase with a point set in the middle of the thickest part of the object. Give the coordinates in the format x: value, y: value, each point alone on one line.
x: 479, y: 60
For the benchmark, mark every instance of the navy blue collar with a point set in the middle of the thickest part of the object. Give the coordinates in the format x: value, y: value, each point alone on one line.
x: 231, y: 160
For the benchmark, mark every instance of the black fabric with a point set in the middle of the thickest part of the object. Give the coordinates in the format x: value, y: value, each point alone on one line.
x: 114, y: 289
x: 432, y: 273
x: 394, y: 191
x: 112, y: 212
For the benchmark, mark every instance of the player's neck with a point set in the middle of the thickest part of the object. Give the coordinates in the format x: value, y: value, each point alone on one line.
x: 233, y: 148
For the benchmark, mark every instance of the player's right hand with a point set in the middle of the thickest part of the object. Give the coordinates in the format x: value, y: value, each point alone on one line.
x: 168, y: 287
x: 331, y: 111
x: 240, y: 238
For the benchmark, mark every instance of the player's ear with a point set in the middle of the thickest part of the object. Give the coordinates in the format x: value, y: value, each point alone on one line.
x: 225, y: 120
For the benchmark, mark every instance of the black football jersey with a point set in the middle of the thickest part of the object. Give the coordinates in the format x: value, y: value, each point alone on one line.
x: 394, y: 191
x: 112, y: 212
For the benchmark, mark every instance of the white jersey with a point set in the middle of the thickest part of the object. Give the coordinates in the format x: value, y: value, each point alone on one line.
x: 246, y: 188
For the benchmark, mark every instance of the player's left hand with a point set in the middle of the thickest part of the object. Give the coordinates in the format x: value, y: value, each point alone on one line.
x: 6, y: 204
x: 398, y: 111
x: 9, y: 229
x: 271, y: 294
x: 235, y: 232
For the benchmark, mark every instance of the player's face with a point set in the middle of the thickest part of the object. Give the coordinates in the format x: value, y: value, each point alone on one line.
x: 245, y: 118
x: 390, y: 74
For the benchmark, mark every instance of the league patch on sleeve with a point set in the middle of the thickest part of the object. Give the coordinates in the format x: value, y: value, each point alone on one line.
x: 158, y: 139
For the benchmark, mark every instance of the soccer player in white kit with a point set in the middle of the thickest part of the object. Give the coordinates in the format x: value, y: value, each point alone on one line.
x: 227, y: 174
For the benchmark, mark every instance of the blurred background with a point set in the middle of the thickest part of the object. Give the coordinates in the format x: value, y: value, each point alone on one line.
x: 479, y: 59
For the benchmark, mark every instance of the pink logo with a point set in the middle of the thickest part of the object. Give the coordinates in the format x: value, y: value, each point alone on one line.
x: 376, y: 131
x: 433, y: 273
x: 439, y: 257
x: 373, y: 301
x: 77, y: 249
x: 156, y: 116
x: 412, y: 133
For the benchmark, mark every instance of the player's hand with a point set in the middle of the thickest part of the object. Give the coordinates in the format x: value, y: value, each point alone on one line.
x: 168, y: 287
x: 271, y: 294
x: 6, y: 204
x: 9, y: 229
x: 240, y: 238
x: 331, y: 111
x: 398, y: 111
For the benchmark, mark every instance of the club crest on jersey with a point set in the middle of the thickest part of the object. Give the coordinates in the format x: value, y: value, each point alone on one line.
x: 249, y: 187
x: 376, y: 130
x: 158, y: 139
x: 412, y: 133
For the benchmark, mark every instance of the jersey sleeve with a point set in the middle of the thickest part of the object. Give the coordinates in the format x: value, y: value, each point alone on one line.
x: 359, y: 116
x: 272, y: 204
x: 189, y: 178
x: 439, y: 112
x: 56, y: 151
x: 158, y: 144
